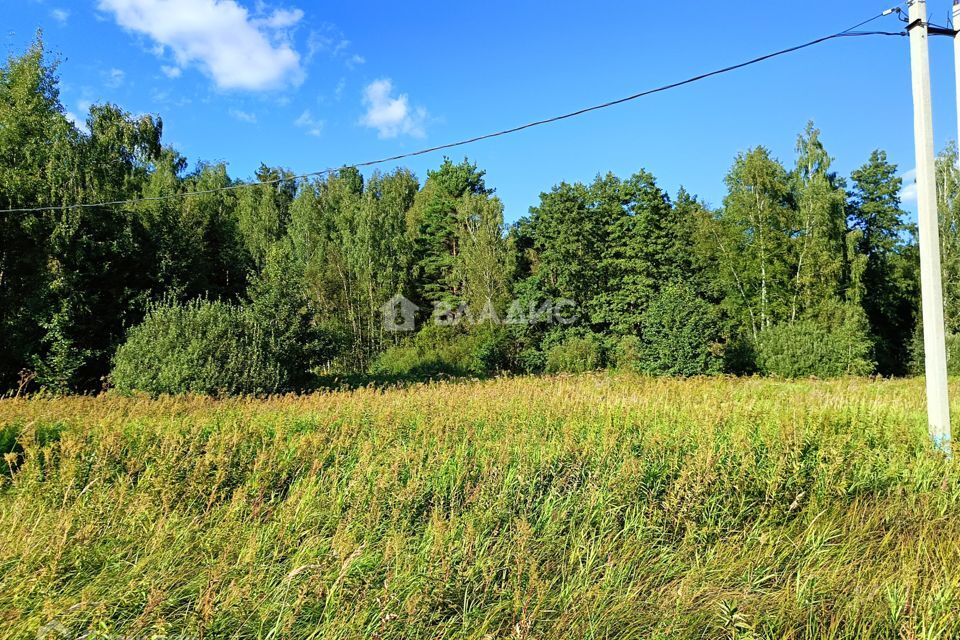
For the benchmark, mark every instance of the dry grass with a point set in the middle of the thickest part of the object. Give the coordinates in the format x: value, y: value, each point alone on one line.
x: 601, y: 506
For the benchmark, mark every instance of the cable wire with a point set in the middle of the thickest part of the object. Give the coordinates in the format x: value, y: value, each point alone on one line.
x: 882, y: 14
x: 849, y: 32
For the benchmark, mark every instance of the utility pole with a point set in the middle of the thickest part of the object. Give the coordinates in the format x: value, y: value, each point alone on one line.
x: 931, y: 284
x: 956, y: 62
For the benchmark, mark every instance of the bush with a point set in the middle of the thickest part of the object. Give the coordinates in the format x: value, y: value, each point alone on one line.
x: 809, y: 348
x: 917, y: 364
x: 299, y: 340
x: 627, y: 352
x: 681, y: 336
x: 740, y: 355
x: 575, y: 354
x: 199, y: 347
x: 447, y: 351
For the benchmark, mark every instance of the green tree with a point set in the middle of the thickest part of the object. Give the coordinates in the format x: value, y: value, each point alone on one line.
x: 646, y: 249
x: 889, y: 278
x: 752, y: 239
x: 39, y: 166
x: 97, y: 281
x: 819, y: 257
x: 680, y: 335
x: 351, y: 243
x: 840, y: 346
x: 435, y: 227
x: 202, y: 347
x: 611, y: 247
x: 483, y: 264
x: 263, y: 210
x: 948, y: 207
x: 568, y: 237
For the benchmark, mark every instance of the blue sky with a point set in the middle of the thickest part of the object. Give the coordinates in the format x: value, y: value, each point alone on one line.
x: 312, y: 85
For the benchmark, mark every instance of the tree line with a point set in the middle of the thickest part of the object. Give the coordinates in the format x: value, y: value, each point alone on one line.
x: 276, y: 284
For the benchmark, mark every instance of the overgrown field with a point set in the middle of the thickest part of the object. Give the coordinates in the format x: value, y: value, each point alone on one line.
x: 601, y: 506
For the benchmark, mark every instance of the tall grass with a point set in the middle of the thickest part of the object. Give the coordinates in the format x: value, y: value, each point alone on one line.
x: 597, y: 506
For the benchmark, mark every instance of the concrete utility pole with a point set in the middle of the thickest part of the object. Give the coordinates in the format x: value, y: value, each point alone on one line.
x: 956, y: 62
x: 931, y: 284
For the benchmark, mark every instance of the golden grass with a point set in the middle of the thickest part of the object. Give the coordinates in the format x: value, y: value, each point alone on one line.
x: 599, y: 506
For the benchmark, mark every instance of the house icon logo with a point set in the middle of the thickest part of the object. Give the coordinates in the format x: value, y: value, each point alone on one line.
x: 399, y: 314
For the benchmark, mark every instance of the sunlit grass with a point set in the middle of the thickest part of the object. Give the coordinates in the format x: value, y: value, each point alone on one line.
x: 600, y: 506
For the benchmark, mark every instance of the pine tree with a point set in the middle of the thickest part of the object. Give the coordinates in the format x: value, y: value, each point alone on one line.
x: 433, y: 224
x: 889, y: 277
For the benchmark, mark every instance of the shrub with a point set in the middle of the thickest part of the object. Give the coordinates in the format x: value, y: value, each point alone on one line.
x: 740, y: 355
x: 809, y: 348
x: 681, y: 336
x: 439, y: 350
x: 199, y: 347
x: 917, y: 353
x: 627, y: 352
x: 575, y: 354
x: 299, y: 339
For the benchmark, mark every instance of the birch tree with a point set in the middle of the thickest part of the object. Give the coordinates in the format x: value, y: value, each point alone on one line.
x: 755, y: 226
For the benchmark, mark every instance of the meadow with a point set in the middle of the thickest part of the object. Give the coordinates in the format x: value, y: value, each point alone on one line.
x: 593, y: 506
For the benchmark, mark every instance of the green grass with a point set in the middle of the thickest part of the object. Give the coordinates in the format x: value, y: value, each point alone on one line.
x: 597, y: 506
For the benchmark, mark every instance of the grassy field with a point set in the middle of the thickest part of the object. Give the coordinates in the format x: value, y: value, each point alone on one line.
x: 603, y: 506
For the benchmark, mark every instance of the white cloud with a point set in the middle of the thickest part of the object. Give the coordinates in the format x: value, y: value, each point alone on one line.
x: 391, y: 116
x: 909, y: 191
x: 327, y: 39
x: 60, y: 15
x: 171, y: 71
x: 113, y: 78
x: 307, y: 122
x: 219, y: 37
x: 165, y: 99
x: 283, y: 18
x: 243, y: 116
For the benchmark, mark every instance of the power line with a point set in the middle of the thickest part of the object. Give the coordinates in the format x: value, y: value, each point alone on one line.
x: 902, y: 34
x: 846, y: 33
x: 893, y: 10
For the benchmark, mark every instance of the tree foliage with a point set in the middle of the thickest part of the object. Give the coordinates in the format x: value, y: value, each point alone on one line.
x: 887, y: 244
x: 680, y: 335
x: 792, y: 275
x: 805, y: 348
x: 201, y: 347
